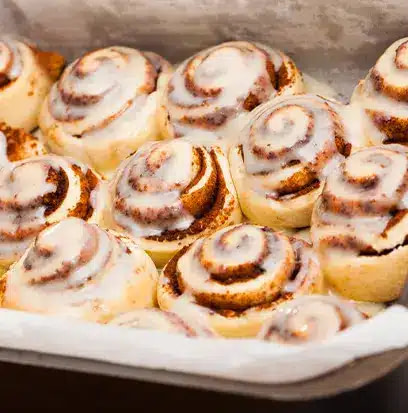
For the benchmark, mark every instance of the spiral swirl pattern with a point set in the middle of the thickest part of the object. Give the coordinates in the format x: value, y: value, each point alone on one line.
x: 11, y: 64
x: 361, y: 219
x: 210, y: 89
x: 76, y: 269
x: 155, y: 319
x: 240, y: 274
x: 26, y: 76
x: 309, y: 319
x: 383, y: 96
x: 170, y: 193
x: 104, y: 105
x: 38, y: 191
x: 289, y: 147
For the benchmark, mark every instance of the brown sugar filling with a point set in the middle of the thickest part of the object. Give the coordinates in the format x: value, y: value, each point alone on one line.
x: 171, y: 274
x: 17, y: 142
x: 52, y: 62
x: 300, y: 184
x: 88, y: 183
x: 208, y: 216
x: 362, y: 250
x: 394, y: 128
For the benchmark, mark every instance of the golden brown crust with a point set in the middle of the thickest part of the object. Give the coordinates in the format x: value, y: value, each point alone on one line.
x: 53, y: 63
x: 394, y: 128
x: 88, y: 182
x: 20, y: 144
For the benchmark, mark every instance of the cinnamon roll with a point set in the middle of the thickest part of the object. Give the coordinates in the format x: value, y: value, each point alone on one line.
x: 238, y: 276
x: 360, y: 224
x: 169, y: 194
x: 39, y: 191
x: 290, y: 145
x: 383, y: 96
x: 155, y: 319
x: 208, y: 92
x: 310, y: 319
x: 26, y: 76
x: 104, y: 106
x: 16, y: 145
x: 76, y: 269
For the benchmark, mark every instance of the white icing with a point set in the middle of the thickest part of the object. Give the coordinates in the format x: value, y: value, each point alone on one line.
x: 295, y: 128
x: 366, y: 97
x: 101, y: 271
x: 310, y: 319
x: 389, y: 166
x: 234, y: 70
x: 10, y: 58
x: 22, y: 185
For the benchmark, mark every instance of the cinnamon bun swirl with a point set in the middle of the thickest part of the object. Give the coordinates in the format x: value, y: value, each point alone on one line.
x: 360, y: 224
x: 169, y: 194
x: 104, y: 106
x: 39, y: 191
x: 76, y: 269
x: 209, y: 91
x: 383, y: 96
x: 26, y: 76
x: 238, y: 276
x: 155, y: 319
x: 290, y: 145
x: 310, y: 319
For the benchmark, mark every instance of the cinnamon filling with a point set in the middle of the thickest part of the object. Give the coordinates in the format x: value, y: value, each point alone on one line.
x: 52, y: 201
x: 52, y: 62
x: 394, y: 128
x: 351, y: 243
x: 88, y: 183
x: 230, y: 309
x: 18, y: 143
x: 382, y: 86
x: 4, y: 80
x: 208, y: 216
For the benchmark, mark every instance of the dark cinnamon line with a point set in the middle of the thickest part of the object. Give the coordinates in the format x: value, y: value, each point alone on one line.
x: 88, y: 183
x: 171, y: 274
x: 209, y: 216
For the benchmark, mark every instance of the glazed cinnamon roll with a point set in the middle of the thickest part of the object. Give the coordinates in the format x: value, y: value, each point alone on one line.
x: 104, y: 106
x: 383, y: 96
x: 309, y: 319
x: 208, y: 92
x: 155, y: 319
x: 16, y: 145
x: 26, y: 76
x: 39, y: 191
x: 286, y: 151
x: 360, y: 224
x: 169, y: 194
x: 238, y: 276
x: 76, y: 269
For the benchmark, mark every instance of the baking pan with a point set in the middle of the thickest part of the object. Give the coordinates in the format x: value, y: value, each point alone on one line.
x: 333, y: 40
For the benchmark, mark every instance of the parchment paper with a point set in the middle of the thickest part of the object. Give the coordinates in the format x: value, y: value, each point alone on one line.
x: 335, y: 41
x: 238, y: 359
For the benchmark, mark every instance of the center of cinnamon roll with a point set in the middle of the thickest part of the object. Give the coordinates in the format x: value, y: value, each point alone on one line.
x: 236, y: 253
x: 73, y: 262
x: 310, y: 319
x: 32, y: 184
x: 369, y: 182
x: 164, y: 188
x: 281, y: 131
